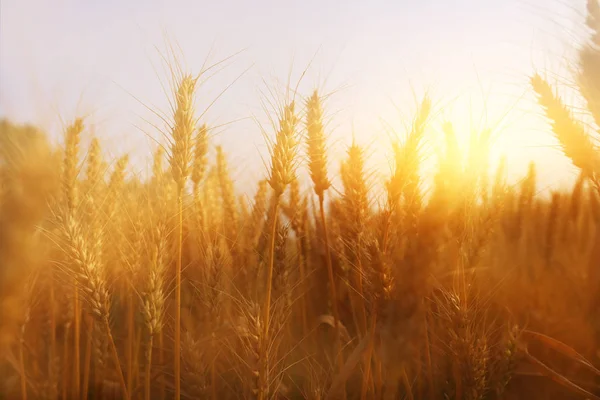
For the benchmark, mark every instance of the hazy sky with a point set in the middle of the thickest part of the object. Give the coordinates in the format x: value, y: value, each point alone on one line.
x: 101, y: 58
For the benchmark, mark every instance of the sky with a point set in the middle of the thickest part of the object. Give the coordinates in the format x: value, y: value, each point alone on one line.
x: 375, y: 59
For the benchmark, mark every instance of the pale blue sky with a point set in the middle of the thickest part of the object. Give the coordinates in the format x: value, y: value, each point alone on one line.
x: 69, y: 57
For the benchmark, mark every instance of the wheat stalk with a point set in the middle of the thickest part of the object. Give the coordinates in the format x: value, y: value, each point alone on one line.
x: 317, y: 155
x: 70, y: 193
x: 282, y: 173
x: 180, y: 157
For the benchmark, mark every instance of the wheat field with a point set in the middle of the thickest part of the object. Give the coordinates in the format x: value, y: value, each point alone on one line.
x: 178, y: 287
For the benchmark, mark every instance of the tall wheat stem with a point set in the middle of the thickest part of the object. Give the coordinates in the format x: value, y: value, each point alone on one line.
x: 147, y: 377
x: 52, y: 366
x: 65, y: 364
x: 368, y: 356
x: 177, y: 349
x: 115, y: 355
x: 88, y: 359
x: 302, y: 267
x: 136, y: 356
x: 161, y: 361
x: 361, y: 294
x: 76, y: 341
x: 332, y: 289
x: 130, y: 339
x: 267, y: 306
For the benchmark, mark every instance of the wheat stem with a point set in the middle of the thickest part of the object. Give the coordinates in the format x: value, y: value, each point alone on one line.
x: 88, y: 359
x: 147, y: 377
x: 161, y: 360
x: 115, y: 356
x: 52, y: 366
x: 130, y: 339
x: 302, y: 267
x: 368, y: 356
x: 332, y: 288
x: 76, y: 339
x: 65, y: 357
x: 264, y: 344
x: 177, y: 348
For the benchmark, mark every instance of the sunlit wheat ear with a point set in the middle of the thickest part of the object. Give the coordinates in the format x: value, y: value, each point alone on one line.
x: 230, y: 211
x: 71, y: 159
x: 115, y: 187
x: 87, y: 269
x: 194, y: 371
x: 315, y: 140
x: 94, y: 171
x: 355, y: 203
x: 453, y: 163
x: 211, y: 202
x: 94, y: 178
x: 528, y: 187
x: 449, y: 177
x: 476, y: 168
x: 593, y: 20
x: 183, y: 128
x: 154, y: 298
x: 252, y: 335
x: 90, y: 276
x: 469, y: 349
x: 281, y: 278
x: 259, y: 209
x: 218, y: 265
x: 153, y: 304
x: 293, y: 207
x: 355, y: 212
x: 383, y: 282
x: 158, y: 169
x: 244, y: 207
x: 407, y: 156
x: 575, y: 142
x: 200, y: 156
x: 283, y: 152
x: 509, y: 360
x: 117, y: 178
x: 588, y: 80
x: 499, y: 186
